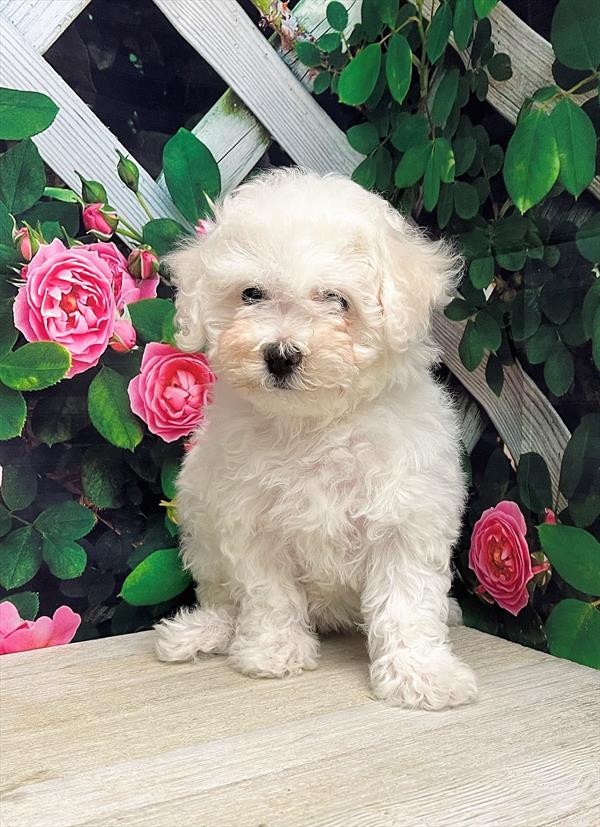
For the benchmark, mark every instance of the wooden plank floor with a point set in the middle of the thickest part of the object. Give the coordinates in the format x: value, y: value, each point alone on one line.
x: 100, y: 733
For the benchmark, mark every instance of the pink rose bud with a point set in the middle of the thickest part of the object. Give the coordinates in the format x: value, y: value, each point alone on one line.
x: 142, y: 263
x: 27, y: 242
x: 203, y: 227
x: 550, y: 516
x: 123, y: 338
x: 100, y: 220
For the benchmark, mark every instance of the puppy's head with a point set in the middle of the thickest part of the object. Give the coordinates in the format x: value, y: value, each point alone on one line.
x: 309, y: 293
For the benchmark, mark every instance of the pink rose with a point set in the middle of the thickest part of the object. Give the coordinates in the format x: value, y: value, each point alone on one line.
x: 171, y: 390
x: 17, y: 635
x: 100, y: 220
x: 499, y: 556
x: 68, y: 298
x: 127, y: 290
x: 549, y: 516
x: 124, y: 336
x: 143, y: 263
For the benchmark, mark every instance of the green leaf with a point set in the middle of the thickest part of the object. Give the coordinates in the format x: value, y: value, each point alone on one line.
x: 103, y: 477
x: 465, y: 149
x: 22, y: 177
x: 585, y: 509
x: 366, y: 172
x: 470, y: 348
x: 493, y: 160
x: 56, y: 212
x: 59, y: 418
x: 556, y: 299
x: 19, y: 485
x: 483, y: 7
x: 574, y: 553
x: 458, y: 310
x: 26, y: 603
x: 575, y: 34
x: 439, y: 167
x: 463, y: 22
x: 500, y: 67
x: 576, y: 143
x: 157, y: 578
x: 398, y: 67
x: 488, y: 330
x: 588, y: 239
x: 494, y: 374
x: 191, y: 174
x: 66, y: 520
x: 383, y: 169
x: 363, y: 138
x: 481, y: 271
x: 20, y: 557
x: 13, y: 411
x: 61, y: 194
x: 149, y: 317
x: 358, y: 79
x: 531, y: 163
x: 573, y: 631
x: 6, y: 521
x: 8, y: 333
x: 466, y: 203
x: 329, y: 42
x: 388, y: 9
x: 409, y: 130
x: 439, y: 32
x: 445, y: 97
x: 162, y: 234
x: 533, y: 481
x: 168, y: 476
x: 308, y: 53
x: 35, y: 366
x: 559, y: 370
x: 591, y: 303
x: 525, y: 316
x: 572, y: 331
x: 445, y: 205
x: 65, y: 558
x: 23, y: 114
x: 596, y: 339
x: 582, y: 455
x: 538, y: 347
x: 108, y: 407
x: 320, y: 85
x: 412, y: 165
x: 337, y: 16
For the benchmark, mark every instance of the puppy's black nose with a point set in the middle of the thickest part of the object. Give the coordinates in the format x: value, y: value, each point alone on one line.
x: 281, y: 359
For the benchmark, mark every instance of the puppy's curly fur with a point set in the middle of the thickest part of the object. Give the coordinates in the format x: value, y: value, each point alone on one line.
x: 328, y: 492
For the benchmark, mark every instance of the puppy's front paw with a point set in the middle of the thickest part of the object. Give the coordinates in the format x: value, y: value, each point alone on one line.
x: 193, y: 632
x: 435, y: 681
x: 274, y: 656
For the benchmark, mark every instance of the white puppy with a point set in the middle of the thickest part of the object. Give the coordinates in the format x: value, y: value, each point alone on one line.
x: 324, y: 488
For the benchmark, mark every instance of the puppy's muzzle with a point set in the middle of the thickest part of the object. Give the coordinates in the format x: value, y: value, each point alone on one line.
x: 281, y: 359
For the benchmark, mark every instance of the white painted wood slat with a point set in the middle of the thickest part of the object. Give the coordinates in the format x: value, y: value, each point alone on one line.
x: 230, y: 130
x: 77, y: 140
x: 522, y: 415
x: 250, y: 65
x: 41, y: 21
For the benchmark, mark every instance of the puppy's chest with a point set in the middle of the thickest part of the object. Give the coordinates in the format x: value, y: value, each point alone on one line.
x: 309, y: 491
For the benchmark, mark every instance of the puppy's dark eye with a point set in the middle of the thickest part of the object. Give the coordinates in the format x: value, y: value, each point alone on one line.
x: 332, y: 296
x: 252, y: 295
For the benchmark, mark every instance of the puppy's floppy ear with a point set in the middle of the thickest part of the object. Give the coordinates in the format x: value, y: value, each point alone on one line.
x: 418, y: 276
x: 187, y: 269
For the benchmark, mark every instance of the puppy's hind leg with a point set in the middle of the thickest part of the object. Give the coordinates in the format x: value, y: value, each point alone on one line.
x: 203, y: 630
